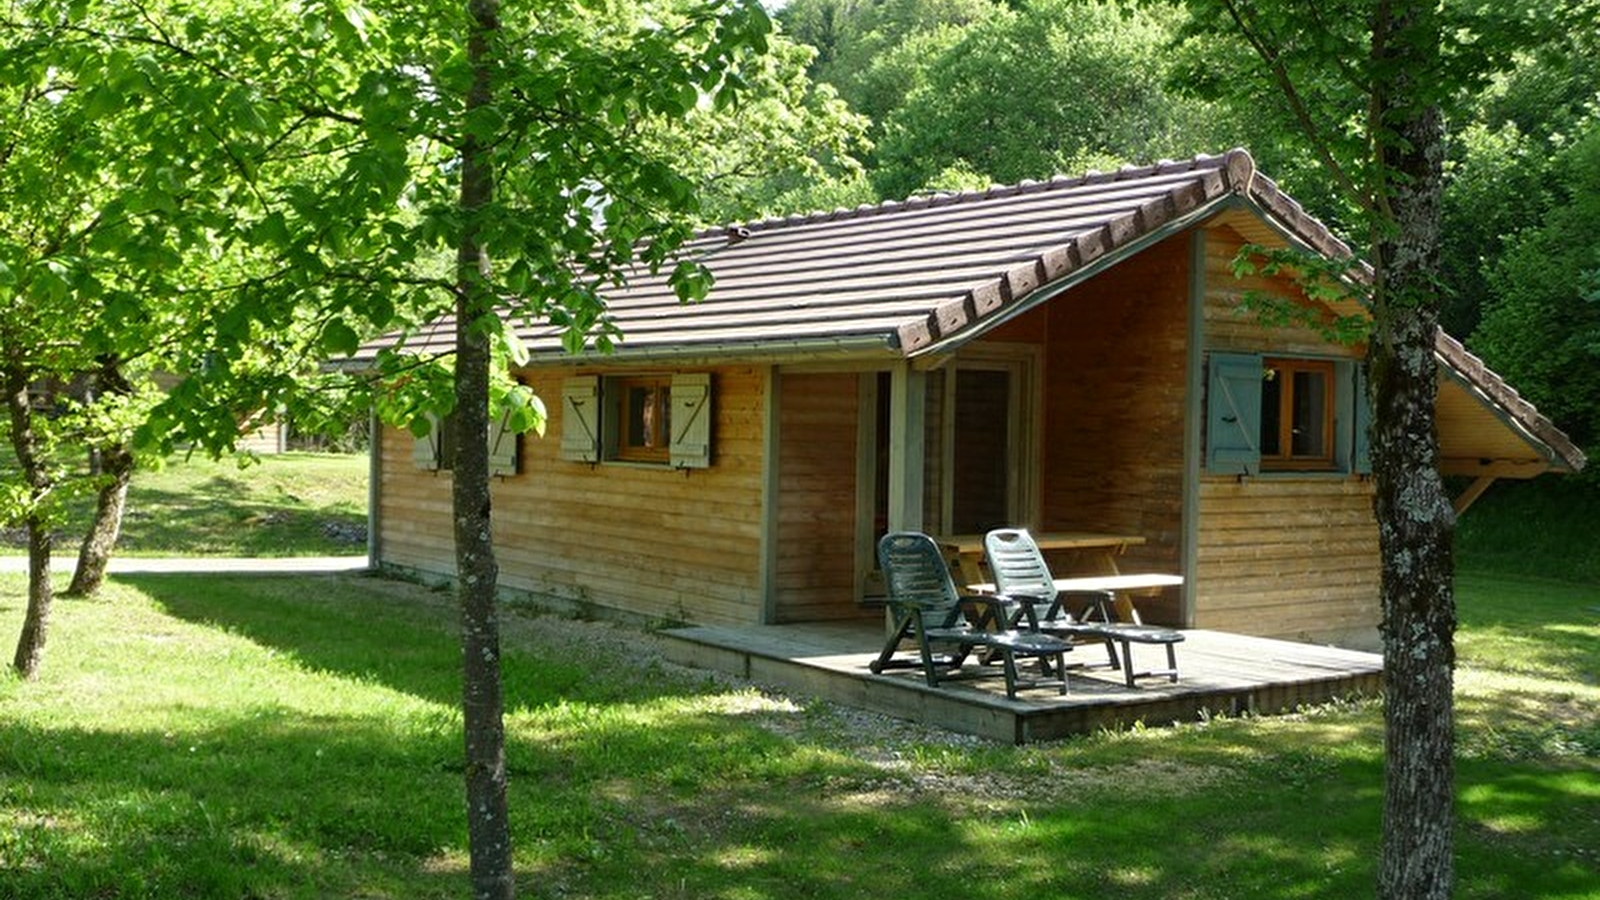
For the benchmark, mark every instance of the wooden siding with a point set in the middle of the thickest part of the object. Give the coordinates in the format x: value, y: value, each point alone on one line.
x: 816, y: 564
x: 1293, y: 558
x: 1114, y: 385
x: 655, y: 542
x: 1229, y: 329
x: 268, y: 439
x: 1280, y: 555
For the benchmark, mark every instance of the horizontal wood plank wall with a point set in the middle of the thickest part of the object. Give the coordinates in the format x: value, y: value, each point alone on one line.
x: 1114, y: 385
x: 816, y: 564
x: 414, y: 509
x: 648, y: 540
x: 1280, y: 556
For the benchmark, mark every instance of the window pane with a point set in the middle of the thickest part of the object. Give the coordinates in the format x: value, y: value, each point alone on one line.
x: 662, y: 432
x: 641, y: 417
x: 1310, y: 414
x: 1271, y: 406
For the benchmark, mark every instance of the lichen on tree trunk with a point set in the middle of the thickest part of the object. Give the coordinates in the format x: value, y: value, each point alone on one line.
x: 1416, y: 521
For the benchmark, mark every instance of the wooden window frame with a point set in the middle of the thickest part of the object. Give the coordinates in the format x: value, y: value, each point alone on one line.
x: 657, y: 447
x: 596, y: 426
x: 1286, y: 459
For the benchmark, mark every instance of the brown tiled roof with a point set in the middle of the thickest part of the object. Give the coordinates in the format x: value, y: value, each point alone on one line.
x: 901, y: 276
x: 910, y: 277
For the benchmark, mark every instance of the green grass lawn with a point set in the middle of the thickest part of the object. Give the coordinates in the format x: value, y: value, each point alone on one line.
x: 1548, y: 527
x: 291, y: 504
x: 298, y: 737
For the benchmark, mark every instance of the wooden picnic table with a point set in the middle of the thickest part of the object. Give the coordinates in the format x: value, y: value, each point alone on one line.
x: 1115, y: 584
x: 1099, y: 550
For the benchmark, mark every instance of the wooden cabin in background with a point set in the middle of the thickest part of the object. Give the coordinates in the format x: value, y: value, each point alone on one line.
x: 1066, y: 356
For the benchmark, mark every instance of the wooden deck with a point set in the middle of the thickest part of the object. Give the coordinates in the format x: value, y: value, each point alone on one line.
x: 1221, y: 674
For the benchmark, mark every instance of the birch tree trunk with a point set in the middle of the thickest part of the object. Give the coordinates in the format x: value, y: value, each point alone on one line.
x: 488, y: 822
x: 1416, y: 522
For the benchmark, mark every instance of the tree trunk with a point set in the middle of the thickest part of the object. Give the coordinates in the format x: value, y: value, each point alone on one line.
x: 36, y: 623
x: 116, y: 464
x: 488, y: 820
x: 94, y: 554
x: 1415, y: 519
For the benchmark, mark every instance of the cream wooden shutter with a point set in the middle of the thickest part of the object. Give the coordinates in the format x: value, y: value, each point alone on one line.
x: 427, y: 451
x: 580, y: 419
x: 691, y: 421
x: 502, y: 446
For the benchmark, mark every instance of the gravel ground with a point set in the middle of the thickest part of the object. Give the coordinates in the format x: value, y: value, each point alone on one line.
x: 875, y: 737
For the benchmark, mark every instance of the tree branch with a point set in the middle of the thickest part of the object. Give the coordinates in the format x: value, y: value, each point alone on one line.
x: 1297, y: 105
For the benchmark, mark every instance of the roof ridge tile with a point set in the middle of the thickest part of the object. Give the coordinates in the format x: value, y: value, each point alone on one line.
x: 1237, y: 163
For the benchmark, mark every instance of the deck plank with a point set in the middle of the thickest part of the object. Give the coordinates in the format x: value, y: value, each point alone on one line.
x: 1220, y: 673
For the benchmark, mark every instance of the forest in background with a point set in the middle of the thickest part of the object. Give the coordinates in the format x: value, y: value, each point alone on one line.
x: 943, y: 95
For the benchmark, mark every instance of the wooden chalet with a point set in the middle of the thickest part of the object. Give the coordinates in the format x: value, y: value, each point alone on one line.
x: 1068, y: 356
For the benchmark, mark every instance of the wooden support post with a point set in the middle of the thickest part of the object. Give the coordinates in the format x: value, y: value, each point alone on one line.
x: 908, y: 401
x: 1472, y: 493
x: 375, y: 437
x: 908, y: 404
x: 1194, y: 417
x: 771, y: 476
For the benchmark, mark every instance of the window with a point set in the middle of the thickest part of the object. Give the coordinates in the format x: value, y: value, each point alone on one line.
x: 644, y: 418
x: 1285, y: 415
x: 1297, y: 414
x: 435, y: 451
x: 654, y: 419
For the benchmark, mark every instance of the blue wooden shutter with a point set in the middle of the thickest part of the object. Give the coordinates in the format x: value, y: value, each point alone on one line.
x: 580, y: 419
x: 691, y: 421
x: 502, y: 446
x: 1363, y: 448
x: 1233, y: 414
x: 428, y: 451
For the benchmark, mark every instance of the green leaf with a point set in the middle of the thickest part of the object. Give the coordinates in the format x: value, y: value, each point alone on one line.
x: 690, y: 280
x: 340, y: 339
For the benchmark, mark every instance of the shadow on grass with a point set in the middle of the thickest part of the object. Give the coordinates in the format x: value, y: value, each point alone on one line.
x: 391, y: 633
x: 628, y: 783
x: 364, y: 629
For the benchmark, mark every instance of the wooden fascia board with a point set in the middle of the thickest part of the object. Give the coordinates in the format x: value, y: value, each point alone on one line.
x: 1476, y: 467
x: 875, y: 349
